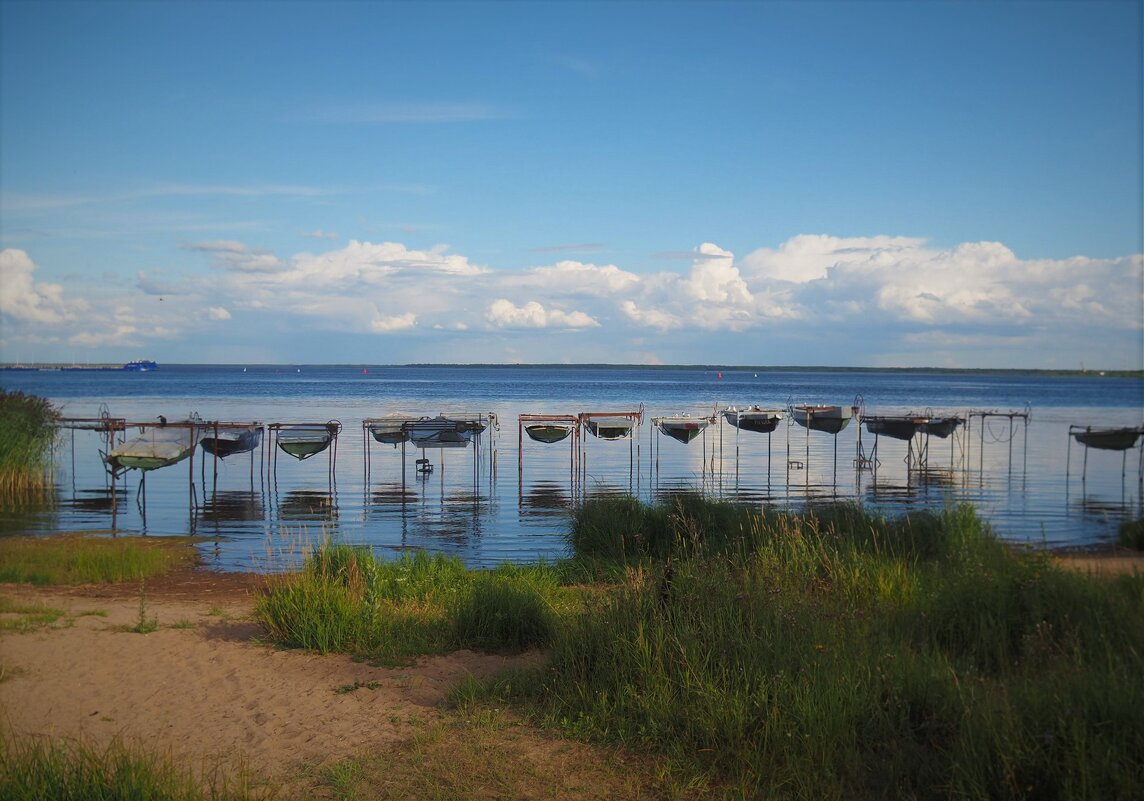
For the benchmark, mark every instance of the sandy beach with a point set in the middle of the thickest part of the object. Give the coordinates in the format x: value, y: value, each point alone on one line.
x: 201, y: 686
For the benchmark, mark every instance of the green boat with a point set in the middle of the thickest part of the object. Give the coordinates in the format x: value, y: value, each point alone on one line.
x: 307, y: 439
x: 548, y: 432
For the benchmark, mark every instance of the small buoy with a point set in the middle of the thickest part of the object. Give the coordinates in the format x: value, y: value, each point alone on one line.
x: 365, y: 371
x: 718, y: 375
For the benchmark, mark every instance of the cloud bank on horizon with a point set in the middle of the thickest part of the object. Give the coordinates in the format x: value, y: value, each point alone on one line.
x: 814, y: 299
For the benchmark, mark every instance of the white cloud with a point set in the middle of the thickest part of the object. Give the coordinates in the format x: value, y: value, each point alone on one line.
x: 22, y: 298
x: 808, y: 257
x: 237, y: 257
x: 399, y: 322
x: 577, y: 278
x: 503, y: 313
x: 950, y: 303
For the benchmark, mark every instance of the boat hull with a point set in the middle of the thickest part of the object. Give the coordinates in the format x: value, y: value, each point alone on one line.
x: 548, y: 432
x: 610, y: 427
x: 903, y: 428
x: 1109, y: 439
x: 830, y: 419
x: 942, y: 427
x: 682, y: 430
x: 303, y: 441
x: 760, y: 422
x: 228, y: 442
x: 155, y: 448
x: 444, y: 432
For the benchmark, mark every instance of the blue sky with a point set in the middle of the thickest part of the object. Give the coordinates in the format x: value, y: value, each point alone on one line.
x: 856, y: 183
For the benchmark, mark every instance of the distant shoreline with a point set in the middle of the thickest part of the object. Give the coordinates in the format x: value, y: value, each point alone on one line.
x: 732, y: 368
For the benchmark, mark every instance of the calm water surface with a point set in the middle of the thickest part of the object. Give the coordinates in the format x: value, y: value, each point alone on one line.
x: 509, y: 500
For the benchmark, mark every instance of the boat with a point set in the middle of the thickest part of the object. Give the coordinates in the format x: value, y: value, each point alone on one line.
x: 446, y: 431
x: 306, y: 439
x: 226, y: 440
x: 681, y: 427
x: 390, y: 430
x: 830, y: 419
x: 1109, y: 439
x: 549, y: 431
x: 942, y: 426
x: 158, y: 446
x: 609, y: 426
x: 141, y: 366
x: 761, y: 421
x: 897, y: 427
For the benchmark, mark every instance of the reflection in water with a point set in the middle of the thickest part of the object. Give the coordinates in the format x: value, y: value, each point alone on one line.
x: 232, y: 506
x: 544, y: 496
x: 95, y: 500
x: 308, y: 506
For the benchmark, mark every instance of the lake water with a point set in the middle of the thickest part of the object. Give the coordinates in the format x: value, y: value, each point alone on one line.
x: 509, y: 499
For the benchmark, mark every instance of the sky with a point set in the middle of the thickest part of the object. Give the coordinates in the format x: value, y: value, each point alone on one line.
x: 882, y: 184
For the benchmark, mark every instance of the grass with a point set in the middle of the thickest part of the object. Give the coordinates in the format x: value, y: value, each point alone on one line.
x: 1131, y: 534
x: 27, y: 430
x: 78, y: 559
x: 345, y: 600
x: 831, y: 654
x: 36, y: 770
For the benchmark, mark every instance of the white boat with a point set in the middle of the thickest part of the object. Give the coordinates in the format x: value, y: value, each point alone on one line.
x: 158, y: 446
x: 830, y: 419
x: 681, y: 427
x: 761, y: 421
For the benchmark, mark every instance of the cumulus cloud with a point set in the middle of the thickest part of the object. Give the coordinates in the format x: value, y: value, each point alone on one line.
x: 218, y: 313
x: 23, y: 298
x: 503, y: 313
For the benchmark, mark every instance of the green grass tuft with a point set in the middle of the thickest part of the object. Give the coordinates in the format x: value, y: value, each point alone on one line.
x: 38, y: 769
x: 77, y: 559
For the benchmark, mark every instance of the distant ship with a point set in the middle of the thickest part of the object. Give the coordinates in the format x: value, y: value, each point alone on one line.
x: 141, y: 366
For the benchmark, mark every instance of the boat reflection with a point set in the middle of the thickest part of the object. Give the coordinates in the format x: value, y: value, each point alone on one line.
x: 308, y: 505
x: 232, y: 506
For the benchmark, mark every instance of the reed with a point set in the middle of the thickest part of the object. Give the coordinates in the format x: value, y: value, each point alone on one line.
x: 27, y: 430
x: 79, y: 559
x: 34, y: 769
